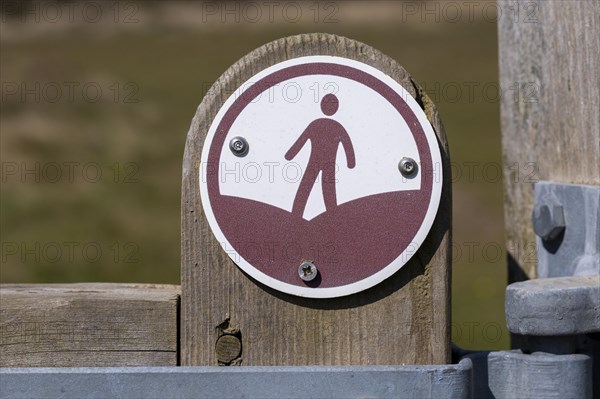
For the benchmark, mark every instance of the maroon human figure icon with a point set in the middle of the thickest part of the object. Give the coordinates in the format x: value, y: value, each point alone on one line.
x: 325, y: 136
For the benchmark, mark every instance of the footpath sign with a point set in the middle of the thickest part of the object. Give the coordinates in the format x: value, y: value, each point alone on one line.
x: 316, y: 176
x: 315, y: 213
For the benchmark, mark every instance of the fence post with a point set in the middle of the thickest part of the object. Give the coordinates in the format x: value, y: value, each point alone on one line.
x: 230, y: 318
x: 549, y: 65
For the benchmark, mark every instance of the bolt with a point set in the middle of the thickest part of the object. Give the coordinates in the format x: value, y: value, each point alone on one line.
x: 307, y: 271
x: 407, y: 166
x: 239, y: 146
x: 548, y: 221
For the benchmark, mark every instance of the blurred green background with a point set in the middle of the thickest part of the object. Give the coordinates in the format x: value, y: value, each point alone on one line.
x: 96, y: 106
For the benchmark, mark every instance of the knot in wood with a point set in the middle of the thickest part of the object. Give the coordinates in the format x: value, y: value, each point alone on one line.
x: 228, y: 348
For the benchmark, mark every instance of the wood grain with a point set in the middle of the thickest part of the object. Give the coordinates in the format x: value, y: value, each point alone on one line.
x: 78, y: 325
x: 403, y: 320
x: 551, y: 131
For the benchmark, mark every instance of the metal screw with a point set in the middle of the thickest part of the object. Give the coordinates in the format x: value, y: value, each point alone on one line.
x: 407, y: 166
x: 548, y: 221
x: 239, y: 146
x: 307, y: 271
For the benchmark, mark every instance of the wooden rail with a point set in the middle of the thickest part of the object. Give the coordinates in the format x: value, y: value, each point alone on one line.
x: 68, y: 325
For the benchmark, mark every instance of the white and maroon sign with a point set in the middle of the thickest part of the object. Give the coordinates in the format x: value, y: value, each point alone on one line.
x: 320, y: 176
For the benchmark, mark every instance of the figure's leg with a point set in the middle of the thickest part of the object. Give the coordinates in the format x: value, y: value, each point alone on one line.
x: 308, y: 180
x: 328, y: 184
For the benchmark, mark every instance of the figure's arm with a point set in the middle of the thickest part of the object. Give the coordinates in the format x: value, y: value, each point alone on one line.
x: 297, y: 146
x: 349, y: 149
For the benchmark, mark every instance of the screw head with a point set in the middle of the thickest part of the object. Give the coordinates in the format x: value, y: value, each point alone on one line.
x: 307, y: 271
x: 548, y: 221
x: 407, y: 166
x: 239, y: 146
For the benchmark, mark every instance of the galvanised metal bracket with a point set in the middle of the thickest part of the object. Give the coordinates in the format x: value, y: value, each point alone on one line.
x: 513, y: 374
x: 560, y: 317
x: 566, y: 220
x: 557, y: 316
x: 445, y: 381
x: 553, y: 307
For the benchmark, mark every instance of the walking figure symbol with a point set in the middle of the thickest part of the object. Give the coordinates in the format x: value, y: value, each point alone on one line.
x: 325, y: 136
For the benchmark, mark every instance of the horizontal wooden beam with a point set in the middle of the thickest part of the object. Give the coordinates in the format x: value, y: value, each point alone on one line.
x: 77, y: 325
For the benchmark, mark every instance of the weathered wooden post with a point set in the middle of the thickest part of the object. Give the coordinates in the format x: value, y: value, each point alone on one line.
x: 552, y: 132
x: 291, y: 256
x: 551, y: 144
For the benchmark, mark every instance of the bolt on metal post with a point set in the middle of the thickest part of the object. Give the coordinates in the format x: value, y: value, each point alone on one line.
x: 548, y: 221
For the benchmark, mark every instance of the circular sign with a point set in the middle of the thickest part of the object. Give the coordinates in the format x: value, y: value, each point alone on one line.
x: 320, y: 176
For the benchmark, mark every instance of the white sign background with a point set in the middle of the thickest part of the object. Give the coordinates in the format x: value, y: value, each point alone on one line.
x: 271, y: 125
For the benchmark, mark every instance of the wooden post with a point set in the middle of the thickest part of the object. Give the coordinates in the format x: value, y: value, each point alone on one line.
x: 403, y: 320
x: 551, y: 131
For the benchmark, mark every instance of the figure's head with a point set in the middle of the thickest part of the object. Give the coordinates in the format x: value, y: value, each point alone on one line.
x: 329, y: 104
